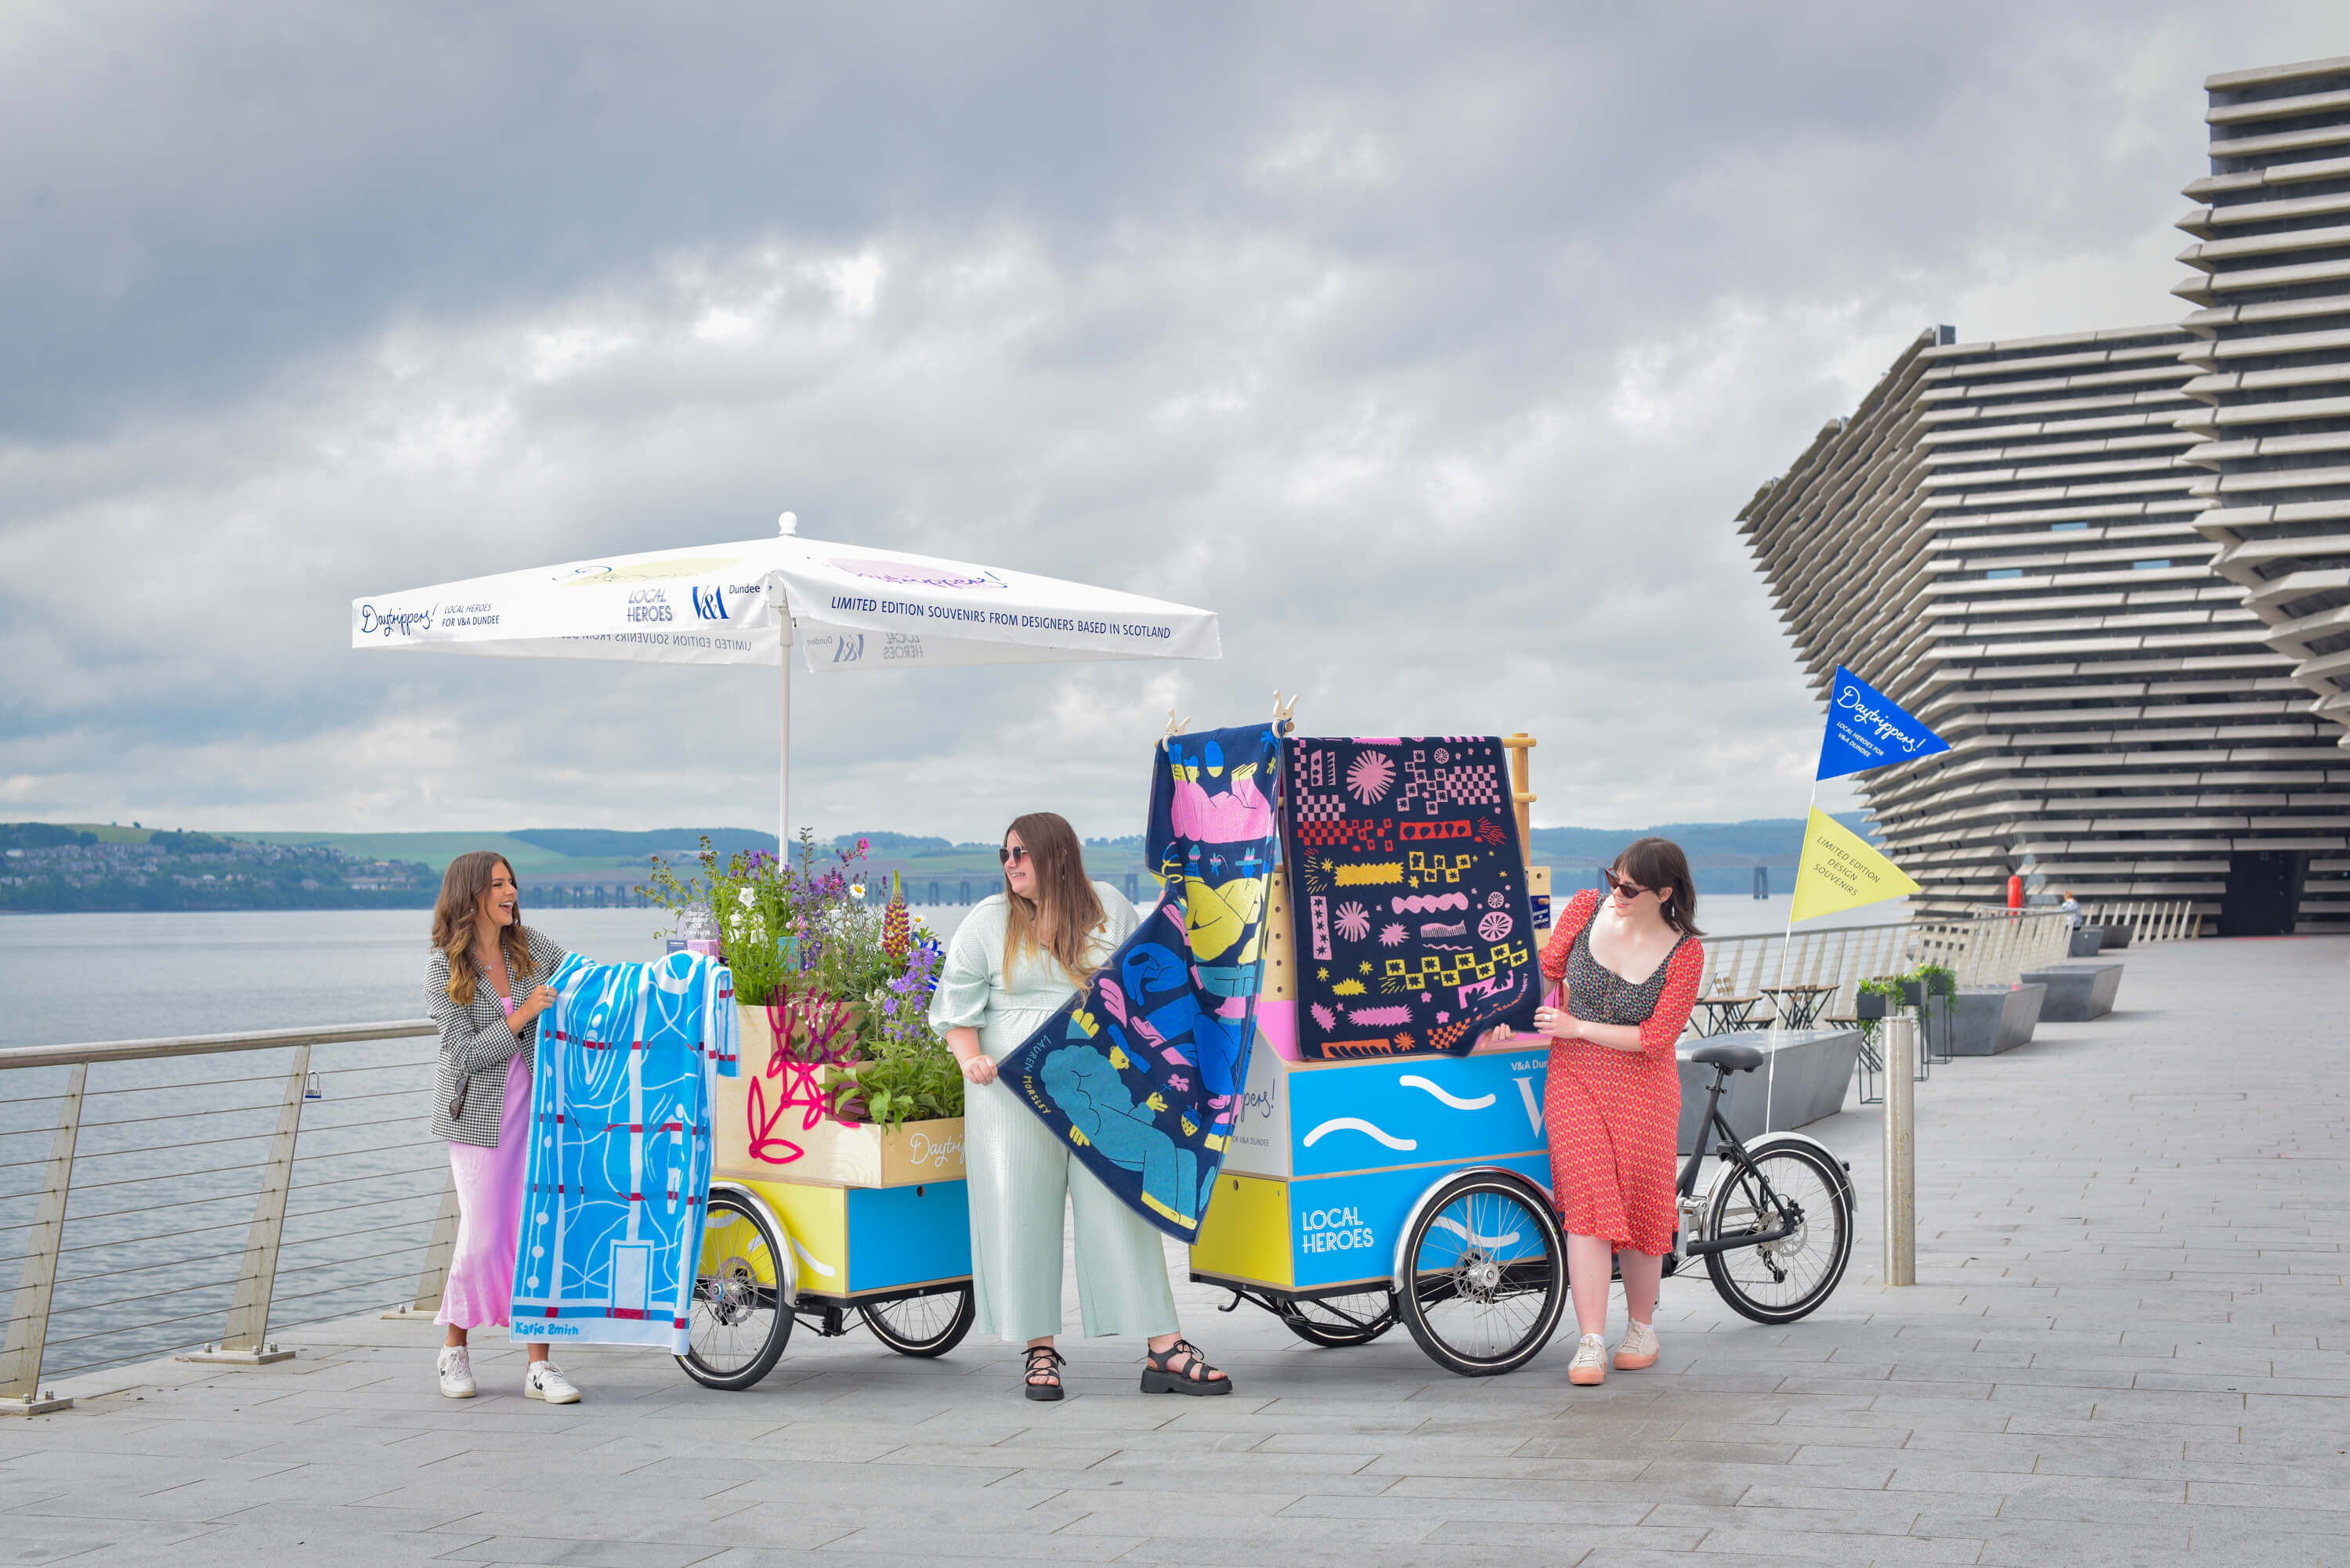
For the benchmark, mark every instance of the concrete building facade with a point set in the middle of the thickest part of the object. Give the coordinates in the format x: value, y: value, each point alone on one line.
x: 2004, y: 538
x: 2113, y: 568
x: 2272, y: 351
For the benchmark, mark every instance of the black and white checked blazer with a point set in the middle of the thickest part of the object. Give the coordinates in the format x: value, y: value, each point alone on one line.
x: 476, y: 1044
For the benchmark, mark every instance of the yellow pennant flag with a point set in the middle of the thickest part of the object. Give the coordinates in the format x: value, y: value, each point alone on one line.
x: 1840, y: 871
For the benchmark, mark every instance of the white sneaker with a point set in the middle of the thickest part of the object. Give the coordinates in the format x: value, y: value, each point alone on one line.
x: 1590, y: 1363
x: 456, y: 1369
x: 546, y: 1381
x: 1639, y: 1348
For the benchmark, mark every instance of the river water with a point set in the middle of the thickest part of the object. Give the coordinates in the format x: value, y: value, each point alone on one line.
x: 170, y: 1151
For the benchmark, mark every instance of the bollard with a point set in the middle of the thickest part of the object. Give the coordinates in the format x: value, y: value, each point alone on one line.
x: 1901, y: 1150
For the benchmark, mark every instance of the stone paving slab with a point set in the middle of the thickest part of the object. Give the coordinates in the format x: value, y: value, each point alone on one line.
x: 2130, y: 1343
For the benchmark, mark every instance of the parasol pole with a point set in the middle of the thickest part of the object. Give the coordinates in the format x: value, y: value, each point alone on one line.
x: 779, y: 598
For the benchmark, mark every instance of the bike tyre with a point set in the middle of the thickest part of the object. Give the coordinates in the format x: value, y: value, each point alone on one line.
x: 1415, y: 1300
x: 877, y: 1317
x: 734, y: 1373
x: 1839, y: 1217
x: 1337, y: 1335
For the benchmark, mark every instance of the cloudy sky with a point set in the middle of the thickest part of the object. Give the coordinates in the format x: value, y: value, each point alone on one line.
x: 1434, y: 347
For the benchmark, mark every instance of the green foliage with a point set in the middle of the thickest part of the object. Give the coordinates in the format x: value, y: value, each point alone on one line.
x: 795, y: 934
x: 40, y: 835
x: 191, y: 843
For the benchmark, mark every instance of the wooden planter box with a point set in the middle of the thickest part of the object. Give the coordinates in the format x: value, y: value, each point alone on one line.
x: 773, y: 1128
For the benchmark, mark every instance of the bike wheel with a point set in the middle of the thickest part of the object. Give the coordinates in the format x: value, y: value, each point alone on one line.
x: 1485, y: 1276
x: 1337, y: 1321
x: 1781, y: 1281
x: 923, y: 1326
x: 741, y: 1320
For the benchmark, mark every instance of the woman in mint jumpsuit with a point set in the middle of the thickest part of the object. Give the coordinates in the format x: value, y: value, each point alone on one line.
x: 1021, y: 1176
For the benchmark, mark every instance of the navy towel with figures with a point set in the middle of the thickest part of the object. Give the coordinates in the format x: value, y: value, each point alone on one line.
x: 1415, y: 932
x: 1141, y: 1071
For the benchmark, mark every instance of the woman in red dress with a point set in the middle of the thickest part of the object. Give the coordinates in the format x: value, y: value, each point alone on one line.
x: 1628, y: 966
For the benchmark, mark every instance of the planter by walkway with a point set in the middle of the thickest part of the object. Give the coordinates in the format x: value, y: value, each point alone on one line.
x: 1989, y: 1022
x: 1812, y: 1068
x: 2078, y: 991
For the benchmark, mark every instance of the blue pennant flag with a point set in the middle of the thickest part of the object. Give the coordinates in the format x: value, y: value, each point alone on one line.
x: 1867, y: 729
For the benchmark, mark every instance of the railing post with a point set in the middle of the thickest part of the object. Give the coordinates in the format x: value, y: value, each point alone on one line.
x: 28, y: 1313
x: 433, y: 1278
x: 1900, y: 1036
x: 244, y: 1341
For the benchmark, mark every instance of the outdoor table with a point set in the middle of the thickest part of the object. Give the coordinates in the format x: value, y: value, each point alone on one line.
x: 1725, y: 1013
x: 1798, y: 1005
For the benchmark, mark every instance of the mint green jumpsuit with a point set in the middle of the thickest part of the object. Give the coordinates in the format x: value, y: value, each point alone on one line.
x: 1023, y: 1178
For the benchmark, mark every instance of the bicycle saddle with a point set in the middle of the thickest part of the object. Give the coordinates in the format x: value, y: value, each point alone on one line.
x: 1729, y: 1058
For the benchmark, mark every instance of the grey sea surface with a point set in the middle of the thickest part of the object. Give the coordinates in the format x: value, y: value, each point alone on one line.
x: 171, y: 1152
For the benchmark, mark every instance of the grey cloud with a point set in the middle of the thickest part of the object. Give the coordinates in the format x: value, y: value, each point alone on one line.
x: 1433, y: 346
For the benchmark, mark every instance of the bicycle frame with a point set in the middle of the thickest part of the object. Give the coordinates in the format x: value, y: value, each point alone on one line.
x: 1730, y: 1147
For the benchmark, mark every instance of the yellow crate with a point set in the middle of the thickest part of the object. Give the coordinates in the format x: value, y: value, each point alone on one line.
x: 1245, y: 1235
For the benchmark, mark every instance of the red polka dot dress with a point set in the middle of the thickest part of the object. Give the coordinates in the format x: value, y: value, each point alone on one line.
x: 1614, y: 1116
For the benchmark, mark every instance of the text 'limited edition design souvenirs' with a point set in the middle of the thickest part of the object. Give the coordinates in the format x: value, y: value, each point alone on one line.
x: 1141, y: 1070
x: 1414, y: 932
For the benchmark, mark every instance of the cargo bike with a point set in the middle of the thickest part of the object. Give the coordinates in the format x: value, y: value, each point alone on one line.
x: 1318, y: 1219
x: 825, y: 1224
x: 1358, y: 1194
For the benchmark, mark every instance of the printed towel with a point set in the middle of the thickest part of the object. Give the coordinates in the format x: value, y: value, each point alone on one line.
x: 1414, y: 932
x: 620, y: 1150
x: 1141, y: 1070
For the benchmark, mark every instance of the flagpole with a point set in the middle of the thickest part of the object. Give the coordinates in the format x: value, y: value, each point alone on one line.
x: 1770, y: 1065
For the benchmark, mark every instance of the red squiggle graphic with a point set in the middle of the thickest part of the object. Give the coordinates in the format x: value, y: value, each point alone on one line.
x: 820, y: 1020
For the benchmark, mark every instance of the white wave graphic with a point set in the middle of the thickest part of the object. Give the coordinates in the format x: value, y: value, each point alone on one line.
x: 826, y: 1270
x: 1414, y: 1081
x: 1356, y: 1124
x: 1446, y: 1222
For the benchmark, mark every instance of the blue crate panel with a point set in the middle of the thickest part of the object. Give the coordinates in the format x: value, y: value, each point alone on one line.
x: 905, y: 1235
x: 1414, y: 1110
x: 1345, y: 1227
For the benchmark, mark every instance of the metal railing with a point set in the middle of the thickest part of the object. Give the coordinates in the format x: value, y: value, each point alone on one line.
x: 1986, y: 950
x: 140, y: 1177
x: 2148, y: 920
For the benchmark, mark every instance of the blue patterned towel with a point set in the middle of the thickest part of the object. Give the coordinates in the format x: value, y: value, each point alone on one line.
x: 620, y: 1150
x: 1415, y: 932
x: 1141, y: 1070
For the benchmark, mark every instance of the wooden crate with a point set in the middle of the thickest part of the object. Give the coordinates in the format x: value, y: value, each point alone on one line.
x: 769, y: 1126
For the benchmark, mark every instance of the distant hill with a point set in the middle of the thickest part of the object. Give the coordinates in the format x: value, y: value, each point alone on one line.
x: 94, y: 865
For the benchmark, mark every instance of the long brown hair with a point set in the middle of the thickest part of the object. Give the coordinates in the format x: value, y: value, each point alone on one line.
x: 1659, y: 863
x: 459, y: 910
x: 1064, y: 893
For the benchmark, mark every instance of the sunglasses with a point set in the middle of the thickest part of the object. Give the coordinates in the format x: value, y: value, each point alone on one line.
x: 1018, y: 852
x: 1620, y: 888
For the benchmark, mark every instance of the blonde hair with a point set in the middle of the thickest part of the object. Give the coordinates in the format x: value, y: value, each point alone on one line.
x: 459, y: 910
x: 1058, y: 867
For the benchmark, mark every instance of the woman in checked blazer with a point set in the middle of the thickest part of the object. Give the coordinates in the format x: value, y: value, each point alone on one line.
x: 482, y: 982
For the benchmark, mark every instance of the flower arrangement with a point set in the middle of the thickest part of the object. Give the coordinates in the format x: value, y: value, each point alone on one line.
x: 844, y: 985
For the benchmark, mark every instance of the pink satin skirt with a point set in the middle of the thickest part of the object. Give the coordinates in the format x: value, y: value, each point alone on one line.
x: 490, y: 1189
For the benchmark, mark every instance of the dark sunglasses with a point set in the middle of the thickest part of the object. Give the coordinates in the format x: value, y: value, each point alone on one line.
x: 1006, y: 856
x: 1618, y: 886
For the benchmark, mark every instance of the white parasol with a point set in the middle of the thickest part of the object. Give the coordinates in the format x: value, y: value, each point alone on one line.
x: 844, y: 606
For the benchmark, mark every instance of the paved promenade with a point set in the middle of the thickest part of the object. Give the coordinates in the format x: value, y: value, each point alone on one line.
x: 2130, y: 1343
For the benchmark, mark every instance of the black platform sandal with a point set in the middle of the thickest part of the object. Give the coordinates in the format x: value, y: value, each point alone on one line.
x: 1043, y: 1361
x: 1160, y: 1376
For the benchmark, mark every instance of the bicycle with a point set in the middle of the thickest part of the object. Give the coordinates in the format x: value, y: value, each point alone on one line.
x: 1775, y: 1226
